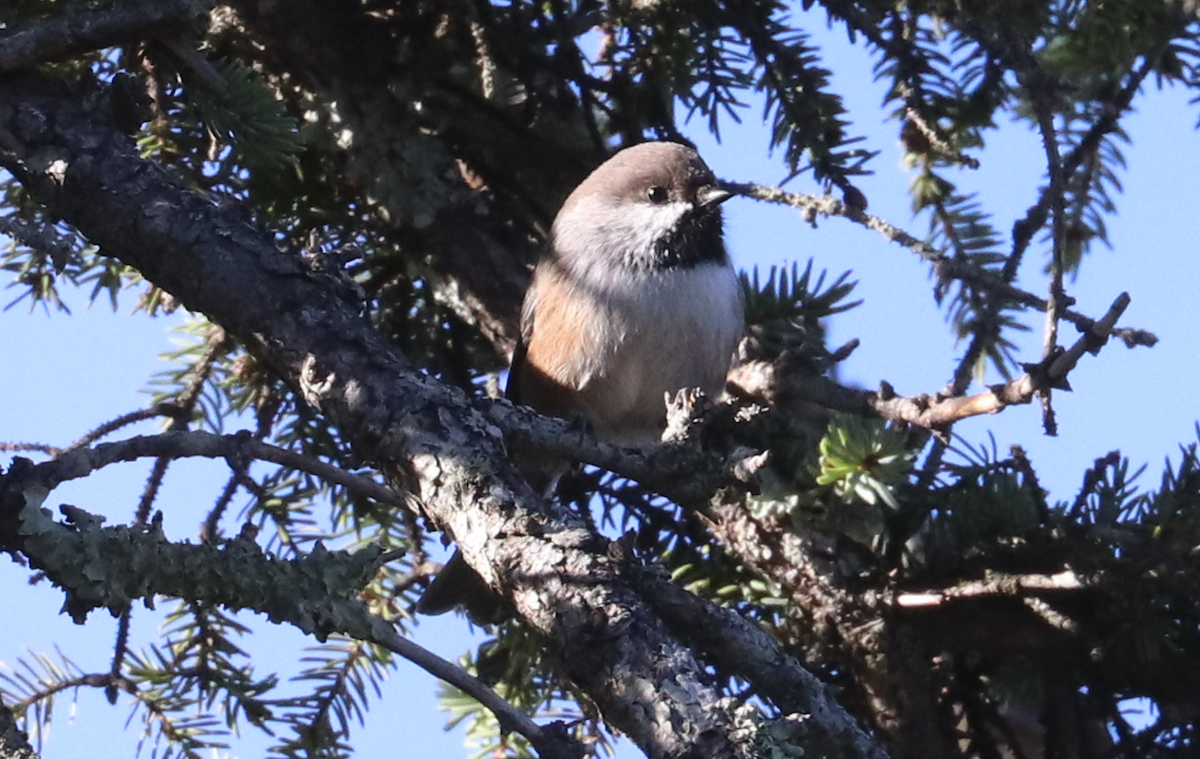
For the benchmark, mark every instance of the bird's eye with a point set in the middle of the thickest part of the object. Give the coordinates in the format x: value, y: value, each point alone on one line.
x: 657, y: 195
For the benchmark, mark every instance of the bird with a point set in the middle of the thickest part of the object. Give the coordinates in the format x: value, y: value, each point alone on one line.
x: 635, y: 297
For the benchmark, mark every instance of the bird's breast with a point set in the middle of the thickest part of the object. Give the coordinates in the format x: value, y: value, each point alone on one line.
x: 618, y: 344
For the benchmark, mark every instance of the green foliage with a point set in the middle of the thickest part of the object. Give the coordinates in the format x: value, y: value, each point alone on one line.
x: 849, y: 487
x: 31, y: 687
x: 341, y: 677
x: 785, y: 313
x: 719, y: 54
x: 975, y: 514
x: 805, y: 118
x: 245, y: 114
x: 713, y: 576
x: 1095, y: 43
x: 39, y: 254
x: 792, y: 294
x: 864, y: 460
x: 514, y: 663
x: 1173, y: 510
x: 175, y: 685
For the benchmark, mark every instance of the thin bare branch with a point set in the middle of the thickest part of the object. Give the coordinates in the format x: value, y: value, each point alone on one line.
x: 995, y: 585
x: 1055, y: 196
x: 773, y: 384
x: 133, y: 417
x: 551, y: 741
x: 1035, y: 217
x: 83, y: 461
x: 45, y: 448
x: 945, y: 267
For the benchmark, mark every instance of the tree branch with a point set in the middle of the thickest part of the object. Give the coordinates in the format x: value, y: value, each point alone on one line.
x: 994, y: 585
x: 946, y: 267
x: 81, y: 462
x: 774, y: 384
x: 68, y: 34
x: 162, y: 409
x: 110, y: 567
x: 549, y: 741
x: 1035, y: 216
x: 746, y: 650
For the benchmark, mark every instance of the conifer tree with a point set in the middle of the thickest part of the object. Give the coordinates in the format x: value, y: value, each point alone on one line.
x: 347, y: 197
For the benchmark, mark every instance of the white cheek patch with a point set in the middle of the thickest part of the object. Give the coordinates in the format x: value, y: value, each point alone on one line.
x: 629, y: 236
x: 642, y: 228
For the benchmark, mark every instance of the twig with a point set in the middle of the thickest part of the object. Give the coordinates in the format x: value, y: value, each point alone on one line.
x: 133, y: 417
x: 1035, y: 217
x: 264, y: 419
x: 93, y: 680
x: 915, y: 120
x: 1055, y: 194
x: 773, y: 384
x: 82, y: 462
x: 995, y: 585
x: 945, y: 267
x: 157, y: 473
x: 1029, y: 480
x: 211, y: 523
x: 828, y: 205
x: 1091, y: 480
x: 39, y: 447
x: 1050, y: 615
x: 550, y: 744
x: 120, y: 650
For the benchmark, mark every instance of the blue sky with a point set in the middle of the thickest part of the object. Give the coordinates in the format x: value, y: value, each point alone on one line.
x: 66, y: 374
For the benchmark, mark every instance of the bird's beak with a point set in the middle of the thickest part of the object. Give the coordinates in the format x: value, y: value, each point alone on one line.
x: 713, y: 194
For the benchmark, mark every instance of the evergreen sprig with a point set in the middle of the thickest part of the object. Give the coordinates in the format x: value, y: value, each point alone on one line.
x: 244, y: 113
x: 514, y: 662
x: 343, y: 675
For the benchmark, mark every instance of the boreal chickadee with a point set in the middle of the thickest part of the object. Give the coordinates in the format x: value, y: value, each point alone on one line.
x: 635, y: 298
